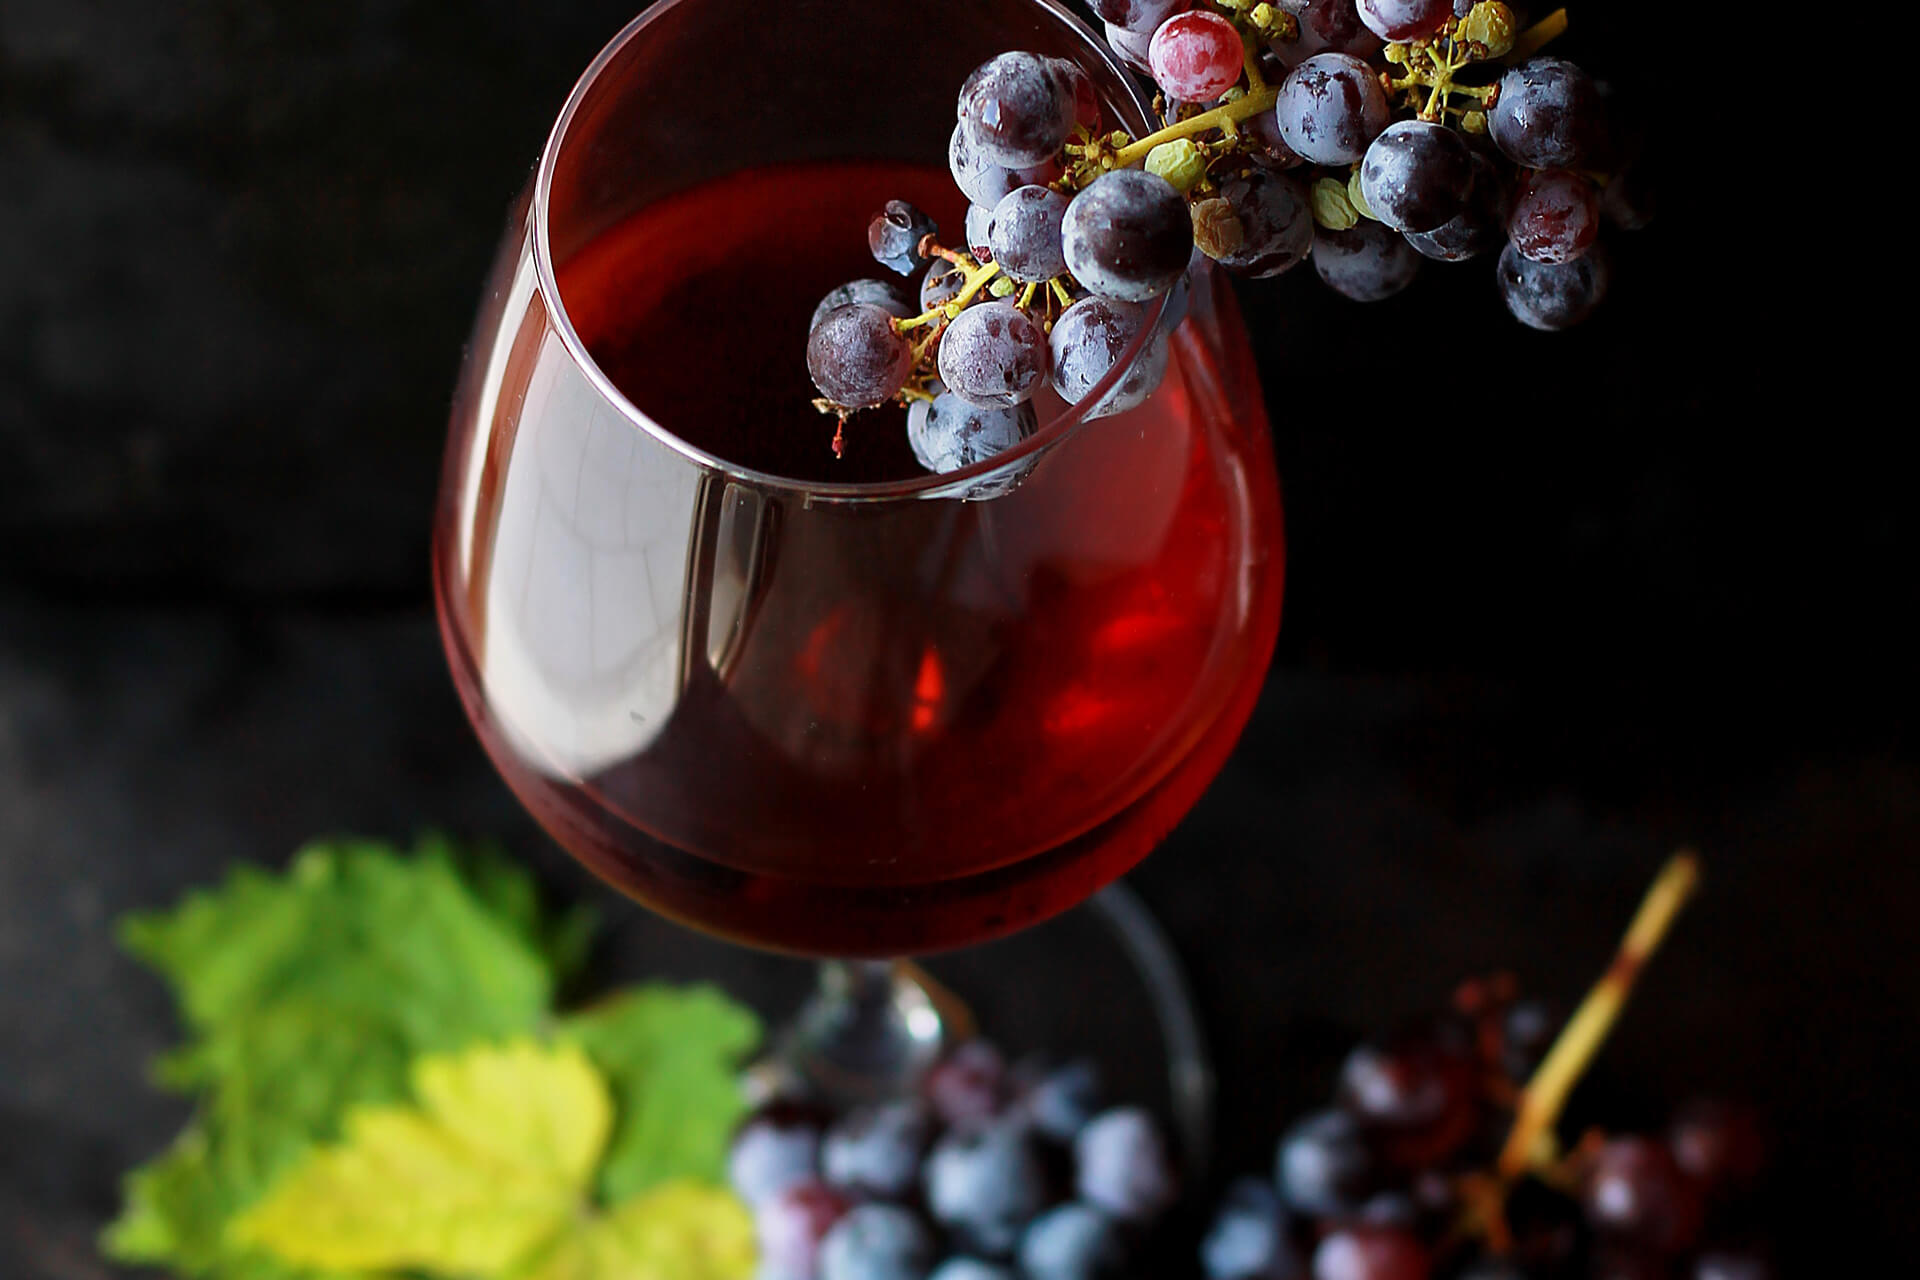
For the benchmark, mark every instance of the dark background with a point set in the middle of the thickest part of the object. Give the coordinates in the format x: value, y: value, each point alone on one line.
x: 1556, y: 603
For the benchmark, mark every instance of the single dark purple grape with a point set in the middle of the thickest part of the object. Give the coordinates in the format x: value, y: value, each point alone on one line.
x: 1719, y: 1144
x: 874, y: 1152
x: 1416, y: 175
x: 1123, y: 1167
x: 941, y: 285
x: 1140, y: 16
x: 983, y: 181
x: 1637, y: 1193
x: 1479, y: 228
x: 1555, y: 215
x: 1058, y: 1103
x: 856, y: 356
x: 984, y: 1185
x: 1248, y: 1239
x: 968, y: 1086
x: 1127, y: 235
x: 1327, y: 26
x: 791, y: 1225
x: 1072, y: 1242
x: 1014, y: 111
x: 1547, y: 295
x: 877, y: 1242
x: 993, y: 355
x: 883, y: 294
x: 1325, y: 1167
x: 1268, y: 221
x: 1548, y: 115
x: 774, y: 1148
x: 1267, y: 148
x: 1330, y: 109
x: 1134, y: 48
x: 1024, y: 234
x: 1367, y: 1251
x: 1085, y: 342
x: 946, y: 433
x: 1367, y: 262
x: 895, y: 233
x: 1403, y: 19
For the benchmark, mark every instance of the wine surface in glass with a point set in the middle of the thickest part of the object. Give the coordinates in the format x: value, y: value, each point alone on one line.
x: 913, y: 724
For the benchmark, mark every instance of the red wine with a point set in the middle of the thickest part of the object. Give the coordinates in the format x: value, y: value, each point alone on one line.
x: 865, y: 729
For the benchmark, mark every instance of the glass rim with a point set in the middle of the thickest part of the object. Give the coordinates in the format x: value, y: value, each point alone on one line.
x: 945, y: 484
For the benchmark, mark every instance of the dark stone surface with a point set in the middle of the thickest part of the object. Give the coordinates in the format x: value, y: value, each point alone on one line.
x: 1556, y: 605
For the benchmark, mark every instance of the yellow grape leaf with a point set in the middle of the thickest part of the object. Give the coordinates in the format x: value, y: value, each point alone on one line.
x: 679, y: 1230
x: 495, y: 1160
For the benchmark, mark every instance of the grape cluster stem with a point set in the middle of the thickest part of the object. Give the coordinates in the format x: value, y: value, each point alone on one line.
x: 1530, y: 1147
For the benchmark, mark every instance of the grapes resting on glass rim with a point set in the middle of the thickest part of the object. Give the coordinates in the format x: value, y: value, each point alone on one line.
x: 993, y: 355
x: 1127, y: 235
x: 1087, y: 340
x: 1014, y: 111
x: 856, y: 356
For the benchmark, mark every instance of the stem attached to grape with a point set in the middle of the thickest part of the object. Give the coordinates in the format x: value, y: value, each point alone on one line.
x: 1546, y: 1093
x: 1256, y: 101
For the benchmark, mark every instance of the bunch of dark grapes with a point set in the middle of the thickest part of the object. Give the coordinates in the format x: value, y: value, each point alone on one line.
x: 1397, y: 1179
x: 1368, y: 135
x: 989, y: 1173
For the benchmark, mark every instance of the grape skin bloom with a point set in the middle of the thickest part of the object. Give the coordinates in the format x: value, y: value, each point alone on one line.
x: 1196, y: 56
x: 856, y: 356
x: 946, y: 433
x: 1024, y: 234
x: 1127, y: 235
x: 1330, y: 108
x: 1556, y: 216
x: 1368, y: 262
x: 1275, y: 220
x: 1088, y: 339
x: 1548, y: 115
x: 1550, y: 296
x: 1416, y: 175
x: 993, y: 355
x: 1014, y: 111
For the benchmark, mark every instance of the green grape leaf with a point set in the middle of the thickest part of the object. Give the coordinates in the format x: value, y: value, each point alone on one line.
x: 671, y: 1056
x: 306, y: 993
x: 494, y: 1163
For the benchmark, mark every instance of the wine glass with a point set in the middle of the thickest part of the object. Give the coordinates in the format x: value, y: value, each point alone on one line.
x: 836, y: 707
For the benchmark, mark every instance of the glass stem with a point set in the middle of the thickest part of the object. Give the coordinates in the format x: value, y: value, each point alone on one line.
x: 866, y: 1033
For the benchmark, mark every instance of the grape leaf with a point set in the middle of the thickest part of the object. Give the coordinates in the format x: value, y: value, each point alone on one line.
x: 305, y: 993
x: 495, y: 1162
x: 680, y: 1230
x: 670, y: 1055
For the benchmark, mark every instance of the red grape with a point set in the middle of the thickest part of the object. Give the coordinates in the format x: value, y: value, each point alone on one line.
x: 1555, y: 216
x: 1196, y: 56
